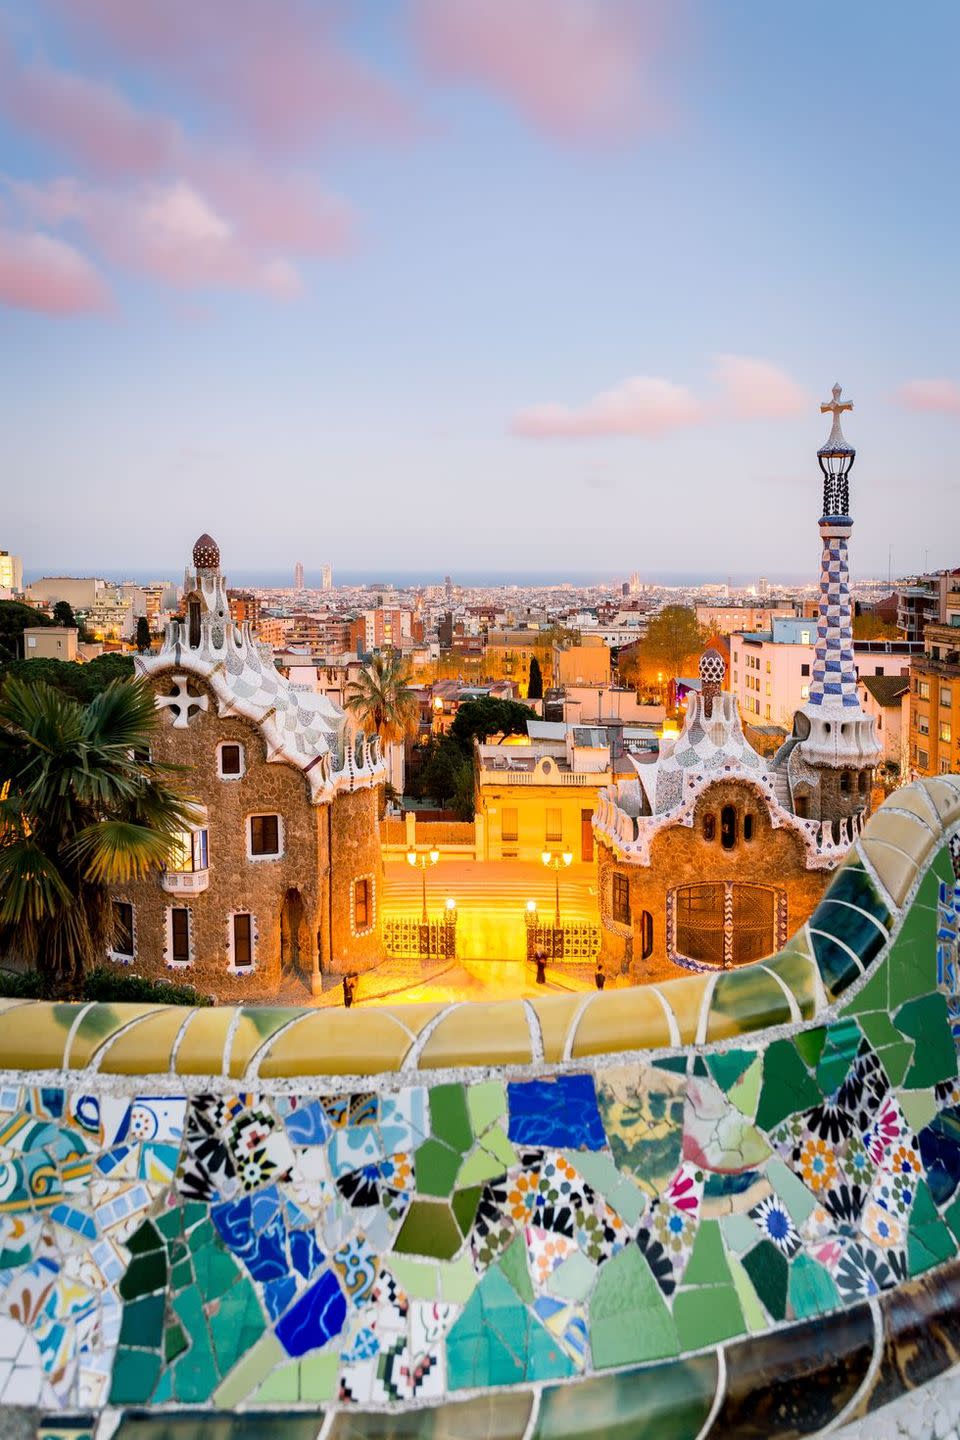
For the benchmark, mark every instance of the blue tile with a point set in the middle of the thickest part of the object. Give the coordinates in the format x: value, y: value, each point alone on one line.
x: 317, y: 1317
x: 560, y: 1113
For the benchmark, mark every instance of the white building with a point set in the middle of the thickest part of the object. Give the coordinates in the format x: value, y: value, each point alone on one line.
x: 11, y: 572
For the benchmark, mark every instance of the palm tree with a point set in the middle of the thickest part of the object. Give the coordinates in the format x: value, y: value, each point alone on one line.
x: 382, y: 700
x: 82, y: 807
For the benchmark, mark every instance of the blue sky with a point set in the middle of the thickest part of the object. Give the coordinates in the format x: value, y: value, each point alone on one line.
x: 371, y: 317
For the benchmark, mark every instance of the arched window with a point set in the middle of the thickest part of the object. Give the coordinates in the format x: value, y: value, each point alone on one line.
x: 801, y: 805
x: 193, y: 611
x: 709, y: 826
x: 728, y: 827
x: 864, y: 782
x: 748, y: 825
x: 646, y: 935
x: 845, y: 786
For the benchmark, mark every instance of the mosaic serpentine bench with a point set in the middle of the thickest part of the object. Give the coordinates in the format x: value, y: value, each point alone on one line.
x: 727, y: 1205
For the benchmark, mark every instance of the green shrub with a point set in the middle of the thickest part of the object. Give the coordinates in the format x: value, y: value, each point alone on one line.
x: 107, y: 985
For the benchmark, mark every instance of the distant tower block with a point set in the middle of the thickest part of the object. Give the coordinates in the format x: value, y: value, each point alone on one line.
x: 448, y: 588
x: 635, y: 583
x: 763, y: 588
x: 298, y: 575
x: 327, y: 577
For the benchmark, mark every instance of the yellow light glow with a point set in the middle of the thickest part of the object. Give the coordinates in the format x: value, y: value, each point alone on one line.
x: 451, y: 903
x: 567, y: 858
x: 411, y: 857
x: 546, y: 857
x: 437, y: 703
x: 532, y: 906
x: 434, y: 856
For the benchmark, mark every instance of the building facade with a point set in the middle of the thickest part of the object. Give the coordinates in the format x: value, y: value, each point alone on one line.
x: 935, y: 694
x: 279, y: 877
x: 540, y: 795
x: 712, y: 854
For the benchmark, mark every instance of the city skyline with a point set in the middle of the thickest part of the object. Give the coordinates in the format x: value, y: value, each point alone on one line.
x: 567, y: 292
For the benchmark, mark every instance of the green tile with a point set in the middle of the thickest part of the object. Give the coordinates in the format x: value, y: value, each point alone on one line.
x: 174, y: 1342
x: 436, y: 1166
x: 929, y: 1241
x: 486, y: 1103
x: 134, y: 1376
x: 495, y: 1142
x: 769, y: 1272
x: 458, y: 1279
x: 659, y: 1402
x: 706, y: 1315
x: 799, y: 974
x: 913, y: 955
x: 429, y: 1229
x: 811, y: 1291
x: 629, y: 1319
x: 750, y: 996
x: 754, y: 1315
x: 513, y: 1264
x: 935, y: 1057
x: 215, y: 1269
x: 480, y: 1165
x: 281, y: 1385
x: 842, y: 1043
x: 143, y: 1322
x: 810, y: 1045
x: 418, y: 1278
x: 143, y: 1275
x: 464, y: 1205
x: 860, y: 932
x: 496, y: 1341
x: 745, y: 1094
x: 145, y: 1237
x: 787, y: 1085
x: 838, y: 967
x: 449, y: 1117
x: 708, y: 1262
x: 318, y: 1376
x: 797, y: 1199
x: 875, y: 994
x: 602, y: 1173
x: 919, y: 1106
x: 574, y: 1278
x: 739, y: 1233
x: 236, y: 1324
x: 895, y: 1060
x: 727, y: 1068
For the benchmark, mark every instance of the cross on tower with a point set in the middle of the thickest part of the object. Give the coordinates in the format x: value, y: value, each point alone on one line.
x: 836, y: 407
x: 182, y: 703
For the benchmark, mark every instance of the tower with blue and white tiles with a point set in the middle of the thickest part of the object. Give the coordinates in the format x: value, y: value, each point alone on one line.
x: 838, y: 746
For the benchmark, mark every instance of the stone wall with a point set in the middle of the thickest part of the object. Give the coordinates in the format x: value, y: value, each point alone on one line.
x: 681, y: 855
x: 288, y: 940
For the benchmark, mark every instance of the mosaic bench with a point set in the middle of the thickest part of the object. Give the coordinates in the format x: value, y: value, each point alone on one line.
x: 726, y: 1205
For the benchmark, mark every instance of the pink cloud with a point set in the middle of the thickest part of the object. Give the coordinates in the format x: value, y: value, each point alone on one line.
x: 642, y: 405
x: 41, y: 272
x: 576, y: 69
x: 170, y: 231
x: 276, y: 68
x: 750, y: 389
x: 931, y: 396
x: 757, y: 389
x: 90, y: 122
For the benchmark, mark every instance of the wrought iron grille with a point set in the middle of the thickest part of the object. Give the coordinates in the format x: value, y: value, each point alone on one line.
x: 406, y: 937
x: 578, y: 940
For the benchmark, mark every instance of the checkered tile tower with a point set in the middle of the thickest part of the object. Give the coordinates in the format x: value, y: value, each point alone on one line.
x: 834, y: 672
x: 841, y: 735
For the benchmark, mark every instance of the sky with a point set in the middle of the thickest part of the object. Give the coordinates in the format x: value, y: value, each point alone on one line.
x: 491, y: 285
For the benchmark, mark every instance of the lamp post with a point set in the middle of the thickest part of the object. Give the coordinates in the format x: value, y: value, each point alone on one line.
x: 423, y: 859
x: 554, y: 862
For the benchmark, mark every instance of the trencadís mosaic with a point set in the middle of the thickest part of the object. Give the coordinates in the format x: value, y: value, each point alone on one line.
x: 722, y: 1237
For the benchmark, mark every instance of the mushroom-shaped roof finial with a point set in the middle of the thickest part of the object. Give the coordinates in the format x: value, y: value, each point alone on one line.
x: 712, y: 667
x: 206, y: 554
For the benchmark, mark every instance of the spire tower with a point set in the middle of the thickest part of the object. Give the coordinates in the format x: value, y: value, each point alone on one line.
x: 834, y: 672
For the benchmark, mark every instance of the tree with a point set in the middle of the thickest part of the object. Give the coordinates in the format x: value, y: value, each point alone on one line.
x: 869, y: 626
x: 476, y: 719
x: 82, y: 810
x: 535, y: 683
x: 77, y: 682
x: 14, y: 619
x: 143, y: 634
x: 673, y: 642
x: 382, y: 700
x: 63, y: 615
x: 445, y: 774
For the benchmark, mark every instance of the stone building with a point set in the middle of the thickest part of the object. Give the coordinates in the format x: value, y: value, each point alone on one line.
x: 279, y: 878
x: 712, y: 855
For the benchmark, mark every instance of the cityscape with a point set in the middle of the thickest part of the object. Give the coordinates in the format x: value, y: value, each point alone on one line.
x: 479, y: 838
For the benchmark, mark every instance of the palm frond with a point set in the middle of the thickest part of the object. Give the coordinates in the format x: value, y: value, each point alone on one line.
x: 113, y: 851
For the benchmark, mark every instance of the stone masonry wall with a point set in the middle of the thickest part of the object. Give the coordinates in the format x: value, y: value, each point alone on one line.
x: 682, y: 856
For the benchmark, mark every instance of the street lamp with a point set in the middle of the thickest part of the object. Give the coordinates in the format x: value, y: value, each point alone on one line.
x: 422, y: 860
x: 555, y: 861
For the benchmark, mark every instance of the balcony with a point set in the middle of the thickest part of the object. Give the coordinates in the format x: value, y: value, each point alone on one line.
x: 185, y: 882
